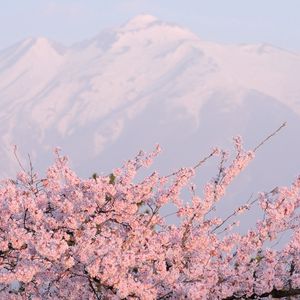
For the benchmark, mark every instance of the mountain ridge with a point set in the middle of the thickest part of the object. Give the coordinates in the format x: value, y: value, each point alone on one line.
x: 86, y: 97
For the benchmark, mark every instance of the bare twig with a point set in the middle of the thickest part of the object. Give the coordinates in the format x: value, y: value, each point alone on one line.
x: 200, y: 163
x: 205, y: 159
x: 31, y: 173
x: 268, y: 137
x: 17, y: 158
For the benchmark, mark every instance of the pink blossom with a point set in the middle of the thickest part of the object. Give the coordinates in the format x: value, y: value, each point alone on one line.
x: 67, y: 237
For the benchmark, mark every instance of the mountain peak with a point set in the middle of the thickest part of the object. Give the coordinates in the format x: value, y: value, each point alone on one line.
x: 36, y: 41
x: 141, y: 21
x: 44, y: 45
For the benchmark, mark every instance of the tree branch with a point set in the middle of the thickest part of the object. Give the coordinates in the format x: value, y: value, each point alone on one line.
x: 277, y: 294
x: 268, y: 137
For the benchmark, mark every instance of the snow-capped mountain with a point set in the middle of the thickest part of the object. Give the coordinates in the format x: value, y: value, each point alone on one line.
x: 148, y: 82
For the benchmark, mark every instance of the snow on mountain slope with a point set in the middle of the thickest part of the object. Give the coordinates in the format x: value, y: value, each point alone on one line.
x: 148, y: 81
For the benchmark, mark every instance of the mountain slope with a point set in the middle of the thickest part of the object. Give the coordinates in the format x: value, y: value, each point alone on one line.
x: 148, y: 81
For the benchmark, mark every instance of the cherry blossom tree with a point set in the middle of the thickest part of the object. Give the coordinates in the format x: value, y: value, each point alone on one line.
x: 64, y: 237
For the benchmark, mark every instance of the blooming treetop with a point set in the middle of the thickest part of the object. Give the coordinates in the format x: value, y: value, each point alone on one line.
x: 63, y: 237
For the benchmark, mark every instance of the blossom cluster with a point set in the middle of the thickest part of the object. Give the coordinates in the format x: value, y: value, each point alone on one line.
x: 64, y: 237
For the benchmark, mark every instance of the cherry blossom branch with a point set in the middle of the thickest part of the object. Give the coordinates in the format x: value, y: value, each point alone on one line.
x: 94, y: 233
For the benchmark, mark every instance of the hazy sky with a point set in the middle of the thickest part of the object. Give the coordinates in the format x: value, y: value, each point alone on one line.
x: 232, y: 21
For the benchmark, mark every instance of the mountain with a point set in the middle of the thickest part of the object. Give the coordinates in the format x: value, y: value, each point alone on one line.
x: 144, y: 83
